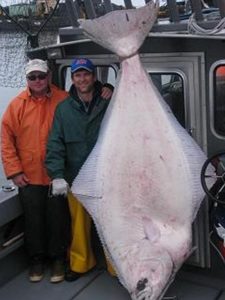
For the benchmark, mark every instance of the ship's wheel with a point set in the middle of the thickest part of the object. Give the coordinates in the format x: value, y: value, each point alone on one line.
x: 217, y: 191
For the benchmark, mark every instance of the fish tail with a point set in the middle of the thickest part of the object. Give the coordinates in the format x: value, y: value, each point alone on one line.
x: 122, y: 31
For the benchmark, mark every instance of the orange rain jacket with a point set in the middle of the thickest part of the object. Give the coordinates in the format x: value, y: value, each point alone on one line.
x: 24, y: 132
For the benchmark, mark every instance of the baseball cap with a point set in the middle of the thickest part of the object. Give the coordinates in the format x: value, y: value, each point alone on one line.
x: 82, y: 63
x: 36, y: 65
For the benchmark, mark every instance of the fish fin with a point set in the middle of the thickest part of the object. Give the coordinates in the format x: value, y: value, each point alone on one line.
x: 151, y: 230
x: 88, y: 181
x: 122, y: 31
x: 193, y: 163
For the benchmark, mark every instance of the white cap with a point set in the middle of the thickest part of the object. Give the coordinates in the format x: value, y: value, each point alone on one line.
x: 36, y: 65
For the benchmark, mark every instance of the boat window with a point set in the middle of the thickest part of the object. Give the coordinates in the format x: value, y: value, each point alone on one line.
x: 105, y: 74
x: 171, y: 87
x: 9, y: 93
x: 219, y: 99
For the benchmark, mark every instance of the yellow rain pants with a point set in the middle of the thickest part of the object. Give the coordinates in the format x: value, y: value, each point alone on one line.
x: 81, y: 255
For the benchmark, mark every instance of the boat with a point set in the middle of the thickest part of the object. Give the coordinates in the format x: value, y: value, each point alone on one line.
x: 189, y: 72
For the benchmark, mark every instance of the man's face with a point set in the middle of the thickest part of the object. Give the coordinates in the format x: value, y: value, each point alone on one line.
x: 83, y: 81
x: 38, y: 82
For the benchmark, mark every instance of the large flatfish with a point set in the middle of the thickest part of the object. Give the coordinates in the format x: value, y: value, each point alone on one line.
x: 141, y: 182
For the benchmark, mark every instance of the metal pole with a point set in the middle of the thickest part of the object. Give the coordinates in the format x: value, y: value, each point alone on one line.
x: 128, y: 4
x: 221, y: 5
x: 72, y: 13
x: 78, y: 9
x: 172, y: 6
x: 215, y: 4
x: 90, y: 9
x: 108, y: 5
x: 196, y: 7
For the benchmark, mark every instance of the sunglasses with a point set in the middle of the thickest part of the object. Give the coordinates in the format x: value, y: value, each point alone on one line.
x: 35, y: 77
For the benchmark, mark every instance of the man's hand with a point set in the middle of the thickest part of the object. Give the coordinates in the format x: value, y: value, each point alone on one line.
x: 106, y: 93
x: 59, y: 187
x: 20, y: 180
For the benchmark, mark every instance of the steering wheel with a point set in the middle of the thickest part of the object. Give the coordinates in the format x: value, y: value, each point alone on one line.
x: 217, y: 191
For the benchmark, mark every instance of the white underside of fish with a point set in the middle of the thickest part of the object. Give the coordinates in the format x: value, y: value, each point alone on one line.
x: 141, y: 185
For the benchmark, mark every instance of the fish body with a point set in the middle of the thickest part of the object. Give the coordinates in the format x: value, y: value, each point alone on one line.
x: 141, y: 182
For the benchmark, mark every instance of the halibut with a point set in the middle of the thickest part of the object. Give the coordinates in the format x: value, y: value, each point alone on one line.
x: 141, y: 182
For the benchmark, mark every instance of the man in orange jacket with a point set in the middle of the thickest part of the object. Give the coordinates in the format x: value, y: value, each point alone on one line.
x: 25, y: 127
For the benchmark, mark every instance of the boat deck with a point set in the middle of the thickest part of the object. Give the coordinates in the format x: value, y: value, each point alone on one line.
x: 191, y: 283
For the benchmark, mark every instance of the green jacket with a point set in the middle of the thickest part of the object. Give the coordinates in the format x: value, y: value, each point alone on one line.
x: 74, y: 134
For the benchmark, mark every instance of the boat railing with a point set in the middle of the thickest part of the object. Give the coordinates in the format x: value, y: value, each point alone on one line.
x: 173, y: 15
x: 10, y: 210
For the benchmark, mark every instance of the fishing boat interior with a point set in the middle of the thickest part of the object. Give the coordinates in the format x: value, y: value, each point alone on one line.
x: 184, y: 55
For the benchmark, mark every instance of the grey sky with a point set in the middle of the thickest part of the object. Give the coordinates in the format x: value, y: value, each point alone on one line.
x: 135, y: 2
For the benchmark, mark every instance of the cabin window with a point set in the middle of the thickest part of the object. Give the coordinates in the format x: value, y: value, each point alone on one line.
x: 9, y: 93
x: 171, y: 87
x: 219, y: 99
x: 105, y: 74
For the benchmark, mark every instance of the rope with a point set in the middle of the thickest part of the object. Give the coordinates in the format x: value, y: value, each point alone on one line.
x: 194, y: 28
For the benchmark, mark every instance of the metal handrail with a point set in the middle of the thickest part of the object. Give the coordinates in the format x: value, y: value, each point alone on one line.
x: 174, y: 11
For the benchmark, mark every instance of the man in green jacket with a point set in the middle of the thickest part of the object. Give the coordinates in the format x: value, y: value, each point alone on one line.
x: 74, y: 133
